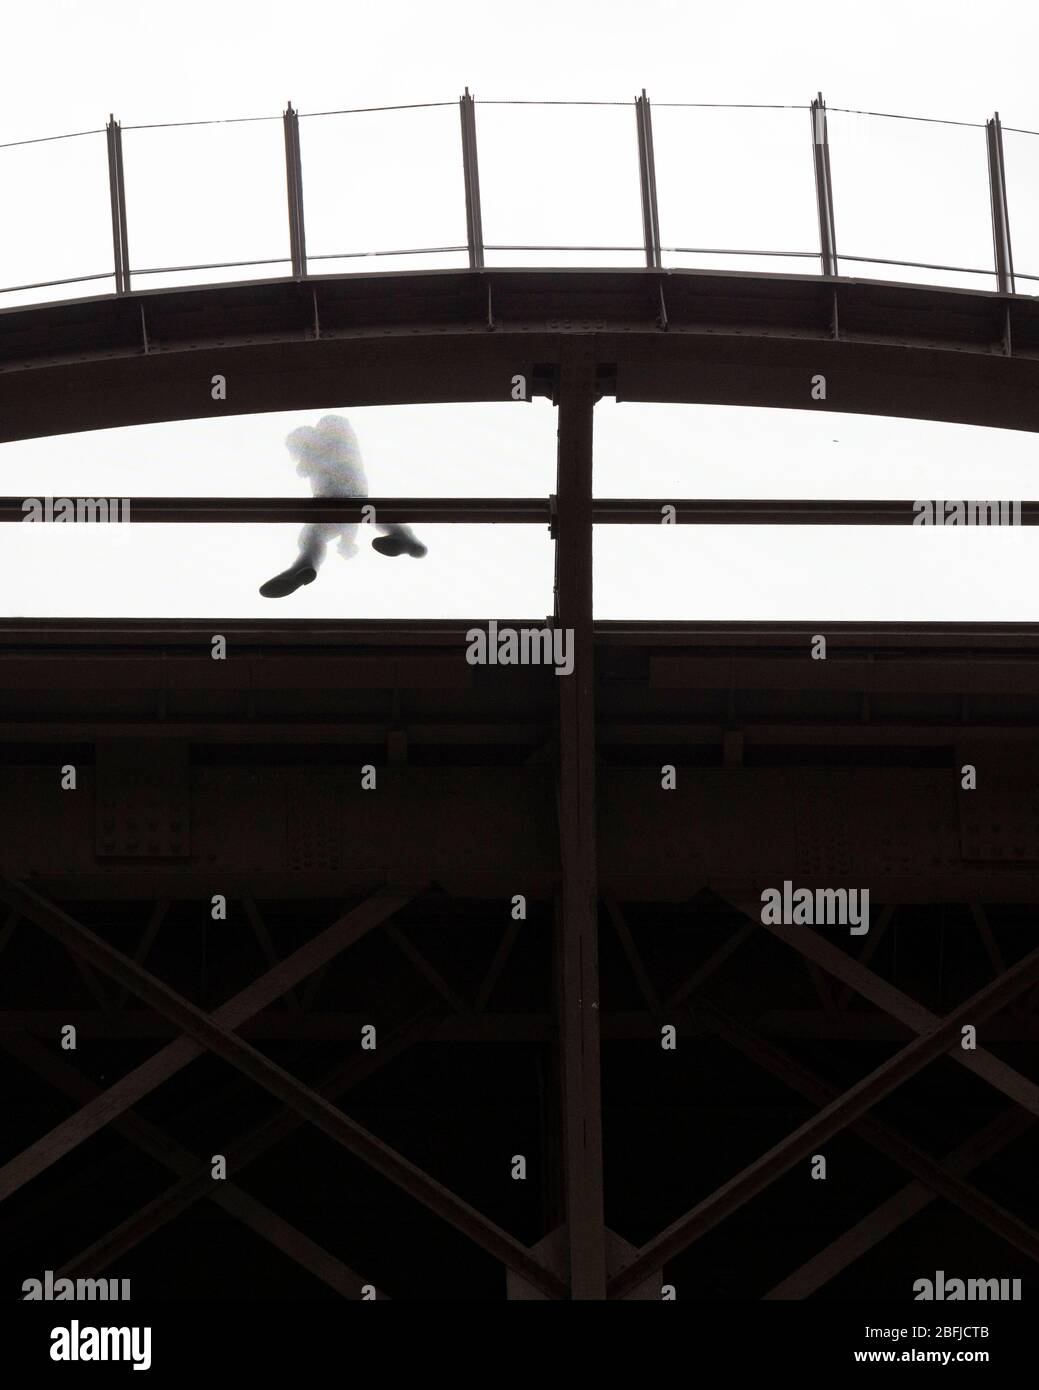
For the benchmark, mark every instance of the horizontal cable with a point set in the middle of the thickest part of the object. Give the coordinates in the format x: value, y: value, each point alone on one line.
x: 781, y: 511
x: 917, y: 265
x: 360, y: 110
x: 176, y: 125
x: 730, y: 251
x: 426, y: 105
x: 48, y: 284
x: 897, y: 116
x: 489, y: 246
x: 537, y: 102
x: 210, y: 265
x: 734, y: 105
x: 408, y: 251
x: 43, y: 139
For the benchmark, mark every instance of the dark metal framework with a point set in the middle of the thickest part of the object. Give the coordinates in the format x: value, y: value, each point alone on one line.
x: 653, y: 249
x: 117, y: 194
x: 241, y: 779
x: 294, y: 191
x: 824, y: 188
x: 648, y: 182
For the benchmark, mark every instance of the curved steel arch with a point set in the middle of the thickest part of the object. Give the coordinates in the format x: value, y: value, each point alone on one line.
x: 726, y: 338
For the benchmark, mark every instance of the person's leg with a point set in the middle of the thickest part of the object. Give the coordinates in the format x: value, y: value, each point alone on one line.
x: 347, y: 546
x: 398, y: 540
x: 313, y: 542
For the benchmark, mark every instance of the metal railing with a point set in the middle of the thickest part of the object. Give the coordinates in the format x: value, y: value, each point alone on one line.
x: 652, y: 251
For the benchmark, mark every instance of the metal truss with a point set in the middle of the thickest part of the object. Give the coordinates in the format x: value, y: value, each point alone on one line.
x: 535, y: 785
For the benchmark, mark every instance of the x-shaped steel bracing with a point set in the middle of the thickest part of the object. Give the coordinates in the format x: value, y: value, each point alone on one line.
x: 215, y: 1032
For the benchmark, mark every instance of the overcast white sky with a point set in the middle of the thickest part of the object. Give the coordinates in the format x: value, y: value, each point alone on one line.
x: 392, y: 181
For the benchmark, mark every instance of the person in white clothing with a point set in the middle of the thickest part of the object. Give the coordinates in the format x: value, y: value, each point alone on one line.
x: 328, y: 454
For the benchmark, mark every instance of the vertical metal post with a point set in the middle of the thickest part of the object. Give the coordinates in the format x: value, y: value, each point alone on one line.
x: 294, y: 189
x: 117, y: 193
x: 577, y: 951
x: 997, y: 180
x: 471, y: 171
x: 823, y: 187
x: 648, y: 181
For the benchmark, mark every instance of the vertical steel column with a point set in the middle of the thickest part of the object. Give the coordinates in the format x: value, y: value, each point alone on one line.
x: 471, y: 170
x: 294, y: 188
x: 648, y: 181
x: 577, y: 951
x: 997, y: 183
x: 117, y: 193
x: 823, y: 187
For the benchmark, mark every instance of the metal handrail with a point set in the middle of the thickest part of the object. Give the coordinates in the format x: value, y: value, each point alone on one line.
x: 123, y: 273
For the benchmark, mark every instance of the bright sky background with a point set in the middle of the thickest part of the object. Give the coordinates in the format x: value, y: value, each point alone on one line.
x: 392, y: 181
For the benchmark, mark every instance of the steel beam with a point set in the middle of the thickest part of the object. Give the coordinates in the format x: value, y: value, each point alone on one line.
x: 577, y: 959
x: 510, y: 511
x: 1003, y: 253
x: 648, y: 182
x: 117, y: 197
x: 294, y: 193
x: 900, y: 1006
x: 196, y: 1186
x: 814, y: 1088
x: 881, y: 1136
x: 833, y: 1118
x: 823, y: 188
x: 471, y: 175
x: 195, y: 1173
x: 142, y: 1080
x: 883, y: 1220
x: 207, y: 1032
x: 915, y: 351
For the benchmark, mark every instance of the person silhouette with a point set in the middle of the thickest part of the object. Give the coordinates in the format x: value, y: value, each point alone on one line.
x: 328, y: 454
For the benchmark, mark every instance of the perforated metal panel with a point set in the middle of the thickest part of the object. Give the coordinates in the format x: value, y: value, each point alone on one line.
x: 313, y: 824
x: 999, y: 820
x: 820, y: 818
x: 143, y: 800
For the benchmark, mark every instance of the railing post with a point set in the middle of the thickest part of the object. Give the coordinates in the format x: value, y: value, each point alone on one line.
x: 117, y: 193
x: 471, y: 170
x: 648, y: 182
x: 294, y: 188
x: 997, y: 183
x: 823, y: 187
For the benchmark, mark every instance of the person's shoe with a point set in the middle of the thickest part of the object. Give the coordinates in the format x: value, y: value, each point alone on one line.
x: 398, y: 545
x: 288, y: 581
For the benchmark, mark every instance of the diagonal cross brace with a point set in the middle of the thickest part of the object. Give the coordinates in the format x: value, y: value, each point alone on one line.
x: 834, y: 1117
x: 900, y: 1006
x: 196, y: 1186
x: 209, y: 1031
x: 165, y: 1150
x: 941, y: 1179
x: 176, y: 1055
x: 898, y: 1209
x: 880, y: 1135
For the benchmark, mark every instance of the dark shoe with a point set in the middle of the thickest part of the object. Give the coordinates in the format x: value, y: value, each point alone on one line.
x: 398, y: 545
x: 288, y: 581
